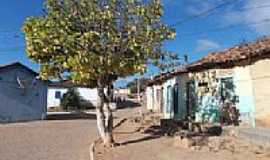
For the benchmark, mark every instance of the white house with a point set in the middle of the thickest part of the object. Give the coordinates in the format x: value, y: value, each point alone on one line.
x: 58, y: 89
x: 23, y: 96
x: 122, y: 91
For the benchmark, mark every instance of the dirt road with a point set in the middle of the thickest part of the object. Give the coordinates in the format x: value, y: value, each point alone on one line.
x: 51, y: 140
x: 47, y: 140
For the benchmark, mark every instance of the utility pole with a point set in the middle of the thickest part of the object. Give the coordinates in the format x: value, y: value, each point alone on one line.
x: 139, y: 97
x: 138, y: 90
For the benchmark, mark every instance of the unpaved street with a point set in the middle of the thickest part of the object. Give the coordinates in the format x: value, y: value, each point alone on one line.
x: 47, y: 140
x: 52, y: 140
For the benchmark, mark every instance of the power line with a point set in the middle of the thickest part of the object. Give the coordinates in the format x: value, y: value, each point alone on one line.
x: 204, y: 13
x: 250, y: 8
x: 225, y: 28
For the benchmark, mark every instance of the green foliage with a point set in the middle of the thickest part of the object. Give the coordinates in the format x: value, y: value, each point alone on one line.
x: 71, y: 100
x: 95, y: 41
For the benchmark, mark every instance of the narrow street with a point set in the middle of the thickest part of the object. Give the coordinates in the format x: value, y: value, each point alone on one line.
x: 51, y: 140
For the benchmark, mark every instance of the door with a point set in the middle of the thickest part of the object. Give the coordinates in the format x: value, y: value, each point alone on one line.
x: 159, y: 100
x: 169, y: 106
x: 175, y: 100
x: 191, y: 98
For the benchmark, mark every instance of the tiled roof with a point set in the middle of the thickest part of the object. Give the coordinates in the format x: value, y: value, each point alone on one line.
x: 239, y: 55
x: 165, y: 76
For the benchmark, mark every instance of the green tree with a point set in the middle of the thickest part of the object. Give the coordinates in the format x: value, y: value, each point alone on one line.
x: 71, y: 100
x: 93, y: 42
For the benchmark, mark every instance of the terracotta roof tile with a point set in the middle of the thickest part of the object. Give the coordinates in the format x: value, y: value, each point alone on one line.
x: 248, y: 52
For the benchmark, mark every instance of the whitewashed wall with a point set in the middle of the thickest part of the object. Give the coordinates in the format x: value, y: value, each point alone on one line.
x: 52, y: 101
x: 244, y: 89
x: 149, y: 98
x: 90, y: 95
x: 87, y: 94
x: 168, y: 98
x: 158, y: 97
x: 18, y: 104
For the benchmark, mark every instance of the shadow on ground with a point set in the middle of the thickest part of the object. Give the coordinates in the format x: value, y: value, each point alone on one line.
x: 153, y: 132
x: 70, y: 116
x: 127, y: 104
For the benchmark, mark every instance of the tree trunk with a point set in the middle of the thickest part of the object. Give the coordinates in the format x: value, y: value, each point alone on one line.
x: 104, y: 118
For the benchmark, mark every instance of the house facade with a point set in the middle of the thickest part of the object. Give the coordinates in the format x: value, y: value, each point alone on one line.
x: 175, y: 105
x: 122, y: 91
x: 237, y: 75
x: 214, y: 87
x: 154, y: 98
x: 23, y: 96
x: 57, y: 90
x: 166, y: 94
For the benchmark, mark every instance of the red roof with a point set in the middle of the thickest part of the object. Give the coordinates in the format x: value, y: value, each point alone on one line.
x: 239, y: 55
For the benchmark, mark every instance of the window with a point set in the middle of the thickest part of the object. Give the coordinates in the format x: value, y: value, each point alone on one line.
x: 57, y: 95
x: 227, y: 89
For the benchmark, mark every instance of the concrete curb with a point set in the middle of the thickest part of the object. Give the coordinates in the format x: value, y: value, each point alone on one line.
x: 93, y: 145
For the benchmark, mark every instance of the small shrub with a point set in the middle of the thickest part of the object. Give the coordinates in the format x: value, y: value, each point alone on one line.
x: 71, y: 100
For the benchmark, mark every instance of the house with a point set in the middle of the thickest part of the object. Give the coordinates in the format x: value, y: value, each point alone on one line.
x: 154, y: 98
x: 166, y: 95
x: 23, y: 96
x: 56, y: 91
x: 240, y: 76
x: 154, y: 94
x: 122, y: 91
x: 236, y: 75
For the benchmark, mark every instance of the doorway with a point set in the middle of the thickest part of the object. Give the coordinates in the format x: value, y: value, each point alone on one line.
x: 191, y: 98
x: 169, y: 101
x: 175, y: 100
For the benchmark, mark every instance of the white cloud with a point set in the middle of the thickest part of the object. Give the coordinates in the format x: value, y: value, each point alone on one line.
x: 206, y: 45
x: 196, y: 7
x: 253, y: 16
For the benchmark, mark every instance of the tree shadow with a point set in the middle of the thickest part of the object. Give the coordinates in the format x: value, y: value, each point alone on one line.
x: 70, y: 116
x: 146, y: 138
x: 154, y: 130
x: 151, y: 133
x: 127, y: 104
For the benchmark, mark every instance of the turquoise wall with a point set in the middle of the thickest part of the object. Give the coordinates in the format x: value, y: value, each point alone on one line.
x: 209, y: 106
x: 207, y: 109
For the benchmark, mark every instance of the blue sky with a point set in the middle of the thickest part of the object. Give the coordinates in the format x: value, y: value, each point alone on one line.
x: 248, y: 15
